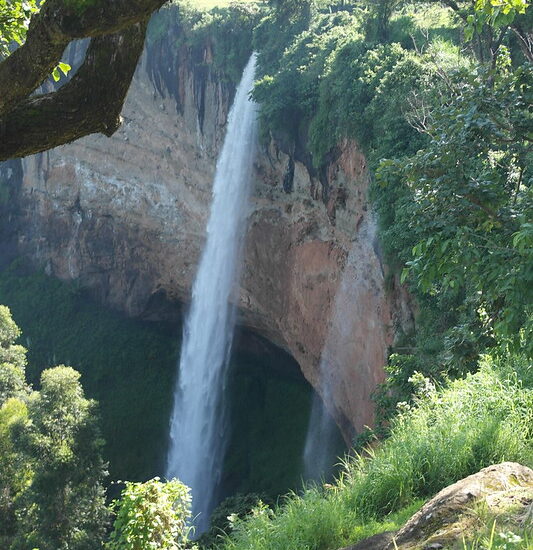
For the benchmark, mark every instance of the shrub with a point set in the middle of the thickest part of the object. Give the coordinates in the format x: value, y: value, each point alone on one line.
x: 151, y: 515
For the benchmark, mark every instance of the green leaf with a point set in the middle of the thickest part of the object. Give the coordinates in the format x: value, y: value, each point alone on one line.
x: 65, y: 67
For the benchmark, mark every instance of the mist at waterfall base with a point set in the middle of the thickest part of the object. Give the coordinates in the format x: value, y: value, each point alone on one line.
x: 199, y: 419
x: 323, y: 444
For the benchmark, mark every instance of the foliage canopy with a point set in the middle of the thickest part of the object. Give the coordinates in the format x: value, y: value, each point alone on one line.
x: 51, y: 479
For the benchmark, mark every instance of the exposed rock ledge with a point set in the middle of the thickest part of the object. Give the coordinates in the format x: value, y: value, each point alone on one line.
x: 503, y: 492
x: 126, y: 216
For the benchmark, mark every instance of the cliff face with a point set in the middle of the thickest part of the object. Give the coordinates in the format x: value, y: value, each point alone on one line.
x: 126, y: 217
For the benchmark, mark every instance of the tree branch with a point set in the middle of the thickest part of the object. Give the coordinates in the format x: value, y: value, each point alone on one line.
x: 525, y: 40
x: 51, y: 30
x: 91, y: 102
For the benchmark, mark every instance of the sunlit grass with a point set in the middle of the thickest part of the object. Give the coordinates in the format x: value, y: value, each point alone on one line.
x: 495, y: 537
x: 483, y: 419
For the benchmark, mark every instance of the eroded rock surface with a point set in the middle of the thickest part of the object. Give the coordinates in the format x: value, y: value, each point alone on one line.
x: 503, y: 491
x: 376, y: 542
x: 126, y: 218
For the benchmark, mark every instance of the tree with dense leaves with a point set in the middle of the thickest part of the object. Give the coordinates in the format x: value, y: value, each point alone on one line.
x: 64, y: 506
x: 51, y: 467
x: 12, y: 358
x: 14, y: 471
x: 457, y: 214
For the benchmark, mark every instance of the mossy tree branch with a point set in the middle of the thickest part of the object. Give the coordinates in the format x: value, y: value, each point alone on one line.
x: 90, y: 101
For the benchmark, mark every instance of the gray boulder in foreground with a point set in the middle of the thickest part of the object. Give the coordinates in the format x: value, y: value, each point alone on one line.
x: 502, y: 491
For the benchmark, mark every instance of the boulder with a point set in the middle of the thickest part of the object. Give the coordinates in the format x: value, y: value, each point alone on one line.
x: 377, y: 542
x: 503, y: 491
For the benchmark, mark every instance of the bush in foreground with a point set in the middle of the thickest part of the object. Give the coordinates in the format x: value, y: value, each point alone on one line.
x: 151, y: 515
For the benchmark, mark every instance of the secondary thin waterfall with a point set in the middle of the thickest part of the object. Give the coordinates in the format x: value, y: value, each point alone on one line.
x: 320, y: 445
x: 197, y: 428
x: 355, y: 311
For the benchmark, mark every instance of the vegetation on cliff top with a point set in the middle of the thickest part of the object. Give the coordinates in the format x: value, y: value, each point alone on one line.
x: 438, y: 97
x: 218, y: 40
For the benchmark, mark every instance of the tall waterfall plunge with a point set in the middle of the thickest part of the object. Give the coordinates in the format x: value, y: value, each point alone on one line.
x: 197, y: 428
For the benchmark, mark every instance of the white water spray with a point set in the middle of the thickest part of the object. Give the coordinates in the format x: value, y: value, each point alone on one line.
x: 197, y: 429
x: 321, y: 442
x: 356, y: 310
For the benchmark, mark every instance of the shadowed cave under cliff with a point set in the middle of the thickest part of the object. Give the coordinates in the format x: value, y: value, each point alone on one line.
x: 129, y: 366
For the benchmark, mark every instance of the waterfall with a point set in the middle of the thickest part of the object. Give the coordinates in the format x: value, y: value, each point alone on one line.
x: 356, y: 310
x: 197, y: 427
x: 322, y: 443
x: 320, y: 450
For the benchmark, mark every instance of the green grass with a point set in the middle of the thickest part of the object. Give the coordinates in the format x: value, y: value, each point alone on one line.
x: 318, y: 519
x: 480, y: 420
x: 496, y: 536
x: 483, y: 419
